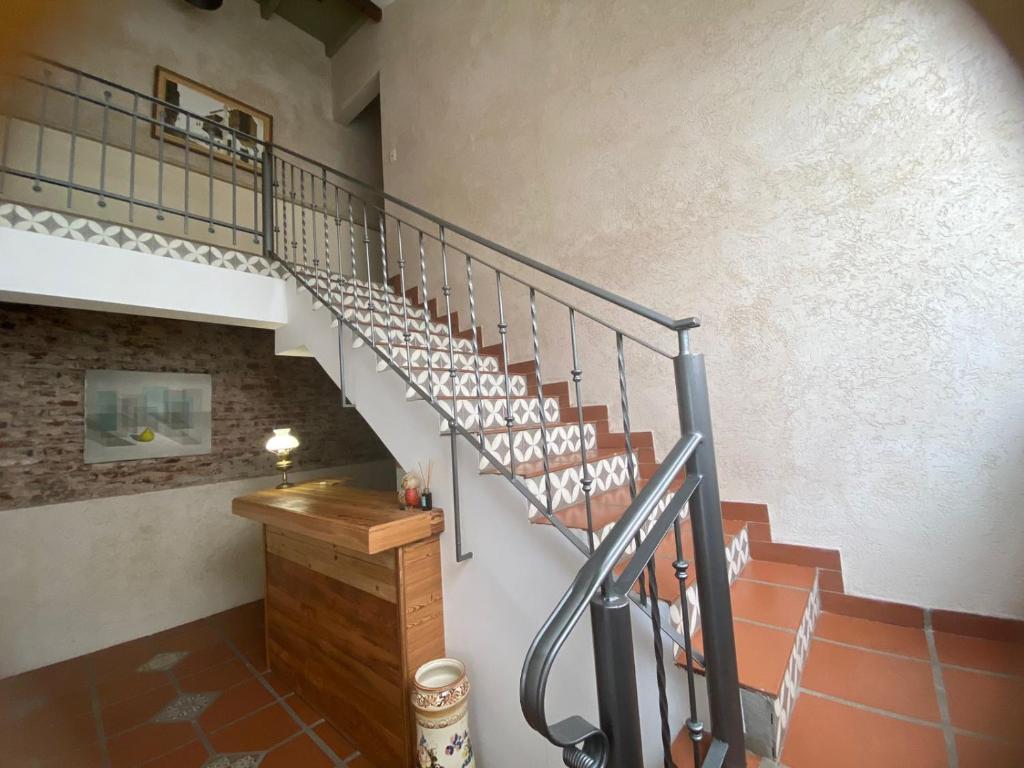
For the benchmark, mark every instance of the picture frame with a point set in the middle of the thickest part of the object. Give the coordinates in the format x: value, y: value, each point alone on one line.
x: 251, y: 126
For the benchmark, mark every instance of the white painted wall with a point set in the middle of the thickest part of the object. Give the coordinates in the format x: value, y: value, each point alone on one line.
x: 85, y: 575
x: 834, y: 187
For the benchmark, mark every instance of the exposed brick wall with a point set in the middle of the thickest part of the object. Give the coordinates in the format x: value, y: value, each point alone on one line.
x: 44, y: 353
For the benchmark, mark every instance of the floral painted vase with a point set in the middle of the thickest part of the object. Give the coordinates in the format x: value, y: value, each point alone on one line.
x: 441, y: 700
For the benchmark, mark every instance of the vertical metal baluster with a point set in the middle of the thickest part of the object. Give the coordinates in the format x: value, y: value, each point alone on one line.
x: 503, y: 332
x: 352, y: 250
x: 426, y: 326
x: 37, y: 185
x: 131, y: 171
x: 209, y: 175
x: 295, y: 219
x: 446, y: 291
x: 284, y: 213
x: 255, y: 197
x: 188, y: 164
x: 3, y: 157
x: 75, y: 104
x: 327, y: 239
x: 694, y: 727
x: 234, y: 191
x: 630, y: 468
x: 406, y: 334
x: 302, y: 213
x: 369, y: 280
x: 382, y: 222
x: 586, y: 482
x: 159, y: 167
x: 659, y: 664
x: 102, y: 203
x: 540, y: 398
x: 276, y: 197
x: 476, y: 351
x: 337, y: 241
x: 316, y: 281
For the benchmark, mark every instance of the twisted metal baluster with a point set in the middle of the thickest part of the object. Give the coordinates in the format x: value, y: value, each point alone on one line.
x: 406, y: 335
x: 36, y: 184
x: 313, y: 236
x: 540, y: 399
x: 659, y: 661
x: 382, y: 222
x: 255, y: 192
x: 284, y: 212
x: 503, y: 332
x: 586, y: 481
x: 102, y: 203
x: 188, y: 165
x: 624, y: 403
x: 352, y: 250
x: 295, y: 219
x: 426, y: 327
x: 302, y: 210
x: 131, y: 168
x: 159, y: 163
x: 327, y: 241
x: 446, y: 291
x: 74, y: 137
x: 209, y: 176
x: 342, y: 282
x: 369, y: 280
x: 234, y: 192
x: 476, y: 353
x: 275, y: 195
x: 694, y: 727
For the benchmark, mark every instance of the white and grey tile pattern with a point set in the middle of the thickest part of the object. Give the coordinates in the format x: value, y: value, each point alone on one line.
x: 567, y: 488
x: 163, y: 661
x: 528, y: 443
x: 525, y: 411
x: 439, y: 360
x: 490, y: 384
x: 187, y: 706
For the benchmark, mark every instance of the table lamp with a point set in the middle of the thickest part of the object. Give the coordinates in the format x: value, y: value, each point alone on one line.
x: 281, y: 444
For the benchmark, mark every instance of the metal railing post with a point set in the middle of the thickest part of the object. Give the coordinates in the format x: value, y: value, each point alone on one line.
x: 709, y: 556
x: 268, y: 202
x: 615, y: 668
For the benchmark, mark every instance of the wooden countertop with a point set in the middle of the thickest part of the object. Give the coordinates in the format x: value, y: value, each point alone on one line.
x: 329, y: 510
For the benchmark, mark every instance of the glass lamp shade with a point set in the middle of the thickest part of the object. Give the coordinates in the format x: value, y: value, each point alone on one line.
x: 282, y: 441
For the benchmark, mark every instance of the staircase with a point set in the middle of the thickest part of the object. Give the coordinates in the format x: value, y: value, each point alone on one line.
x: 656, y: 545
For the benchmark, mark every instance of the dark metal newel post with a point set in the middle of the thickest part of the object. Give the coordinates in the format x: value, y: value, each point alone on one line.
x: 268, y: 202
x: 616, y: 680
x: 709, y: 556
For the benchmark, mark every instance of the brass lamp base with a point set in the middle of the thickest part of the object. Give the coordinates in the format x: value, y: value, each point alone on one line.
x: 283, y: 464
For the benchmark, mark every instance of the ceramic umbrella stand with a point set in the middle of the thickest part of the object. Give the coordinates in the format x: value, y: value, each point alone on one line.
x: 441, y: 700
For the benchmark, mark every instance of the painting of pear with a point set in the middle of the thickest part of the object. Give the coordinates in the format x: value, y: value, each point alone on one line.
x: 147, y: 435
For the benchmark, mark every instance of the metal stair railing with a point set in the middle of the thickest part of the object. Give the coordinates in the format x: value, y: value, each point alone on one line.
x: 344, y: 241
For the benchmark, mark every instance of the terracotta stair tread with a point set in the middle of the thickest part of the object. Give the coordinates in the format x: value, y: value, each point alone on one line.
x: 558, y: 463
x: 606, y: 507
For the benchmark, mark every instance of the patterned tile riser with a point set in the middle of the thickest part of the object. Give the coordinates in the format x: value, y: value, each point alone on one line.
x: 397, y: 323
x: 439, y: 360
x: 525, y: 411
x: 561, y: 441
x: 73, y: 227
x: 417, y: 339
x: 567, y: 489
x: 784, y: 704
x: 491, y: 385
x: 737, y: 555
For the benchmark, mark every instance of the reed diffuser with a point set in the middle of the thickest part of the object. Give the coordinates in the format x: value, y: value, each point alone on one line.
x: 426, y: 497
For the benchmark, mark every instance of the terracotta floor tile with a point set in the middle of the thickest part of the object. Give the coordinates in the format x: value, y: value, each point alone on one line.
x: 897, y: 685
x: 974, y: 752
x: 876, y: 635
x: 360, y: 762
x: 136, y: 710
x: 30, y: 714
x: 768, y: 604
x: 779, y: 573
x: 762, y: 654
x: 826, y: 734
x: 128, y: 685
x: 978, y: 653
x: 297, y: 752
x: 342, y: 747
x: 256, y: 654
x: 192, y: 755
x: 235, y: 703
x: 85, y: 757
x: 306, y: 713
x: 259, y: 731
x: 278, y: 683
x: 204, y: 658
x: 50, y: 682
x: 216, y: 678
x: 987, y: 704
x: 147, y: 742
x: 54, y: 738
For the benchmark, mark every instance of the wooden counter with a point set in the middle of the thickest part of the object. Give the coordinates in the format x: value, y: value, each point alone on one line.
x: 353, y: 605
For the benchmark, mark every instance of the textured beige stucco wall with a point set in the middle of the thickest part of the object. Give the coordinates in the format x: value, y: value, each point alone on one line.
x: 835, y: 188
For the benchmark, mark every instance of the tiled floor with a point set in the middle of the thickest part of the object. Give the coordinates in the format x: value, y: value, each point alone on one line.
x: 881, y: 695
x: 194, y: 696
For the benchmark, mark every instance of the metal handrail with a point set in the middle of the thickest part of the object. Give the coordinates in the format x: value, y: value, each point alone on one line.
x: 591, y: 578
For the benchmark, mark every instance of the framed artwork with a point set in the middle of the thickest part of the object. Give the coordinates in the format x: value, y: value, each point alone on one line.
x: 139, y: 415
x: 218, y: 113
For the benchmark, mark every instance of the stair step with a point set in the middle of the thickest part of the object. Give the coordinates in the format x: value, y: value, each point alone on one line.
x: 385, y: 320
x: 440, y: 360
x: 466, y: 384
x: 525, y: 411
x: 417, y: 337
x: 563, y: 439
x: 775, y: 608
